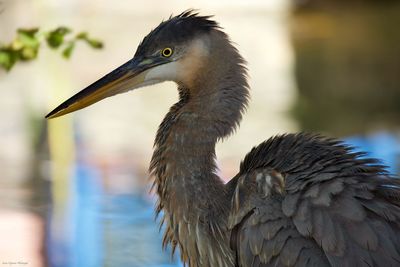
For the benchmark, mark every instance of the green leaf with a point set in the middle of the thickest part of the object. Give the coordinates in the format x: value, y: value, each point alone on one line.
x: 81, y: 35
x: 27, y: 37
x: 62, y: 30
x: 94, y: 43
x: 8, y: 58
x: 25, y: 46
x: 56, y: 38
x: 5, y: 60
x: 28, y: 53
x: 30, y: 32
x: 16, y: 45
x: 67, y: 52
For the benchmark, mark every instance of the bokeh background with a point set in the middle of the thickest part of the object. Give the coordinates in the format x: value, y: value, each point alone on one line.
x: 75, y: 191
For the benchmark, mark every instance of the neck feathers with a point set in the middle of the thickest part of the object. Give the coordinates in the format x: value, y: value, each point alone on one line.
x: 220, y: 91
x: 210, y: 108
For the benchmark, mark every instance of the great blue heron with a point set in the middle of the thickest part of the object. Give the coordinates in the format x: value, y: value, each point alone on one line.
x: 298, y: 200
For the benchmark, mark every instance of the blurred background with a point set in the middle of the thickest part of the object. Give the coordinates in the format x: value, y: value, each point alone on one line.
x: 75, y: 191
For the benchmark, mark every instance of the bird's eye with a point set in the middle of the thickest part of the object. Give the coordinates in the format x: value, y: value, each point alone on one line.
x: 166, y: 52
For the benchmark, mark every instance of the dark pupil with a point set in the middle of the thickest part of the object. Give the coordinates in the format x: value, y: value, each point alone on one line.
x: 167, y: 52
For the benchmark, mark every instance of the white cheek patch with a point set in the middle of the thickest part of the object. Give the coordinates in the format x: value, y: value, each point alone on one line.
x: 193, y: 61
x: 184, y: 69
x: 165, y: 72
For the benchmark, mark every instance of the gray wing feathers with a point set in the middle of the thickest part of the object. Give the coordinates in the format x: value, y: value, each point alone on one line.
x: 265, y: 236
x: 304, y: 200
x: 351, y: 225
x: 274, y: 241
x: 338, y: 222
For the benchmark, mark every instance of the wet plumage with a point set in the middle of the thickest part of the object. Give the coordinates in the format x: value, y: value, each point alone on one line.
x: 333, y: 208
x: 298, y: 200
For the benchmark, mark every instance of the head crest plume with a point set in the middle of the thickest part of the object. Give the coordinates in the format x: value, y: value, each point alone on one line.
x: 177, y: 29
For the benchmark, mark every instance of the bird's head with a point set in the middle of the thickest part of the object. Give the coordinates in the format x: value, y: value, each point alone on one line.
x: 174, y: 51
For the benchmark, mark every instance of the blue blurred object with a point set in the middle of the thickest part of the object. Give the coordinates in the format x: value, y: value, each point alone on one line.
x: 87, y: 245
x: 131, y: 236
x: 99, y: 229
x: 382, y: 145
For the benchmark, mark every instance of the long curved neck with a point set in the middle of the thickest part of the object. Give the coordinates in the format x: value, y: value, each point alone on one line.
x: 184, y: 158
x: 193, y: 198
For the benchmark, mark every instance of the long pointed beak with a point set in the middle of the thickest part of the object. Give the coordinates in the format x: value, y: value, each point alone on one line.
x: 129, y: 76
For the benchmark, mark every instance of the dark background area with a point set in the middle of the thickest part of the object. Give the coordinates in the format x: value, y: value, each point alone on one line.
x: 347, y: 67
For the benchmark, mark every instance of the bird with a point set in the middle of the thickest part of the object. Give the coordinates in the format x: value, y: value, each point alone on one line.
x: 299, y: 199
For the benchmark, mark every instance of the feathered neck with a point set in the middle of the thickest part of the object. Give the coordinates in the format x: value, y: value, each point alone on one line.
x: 191, y: 195
x: 210, y: 109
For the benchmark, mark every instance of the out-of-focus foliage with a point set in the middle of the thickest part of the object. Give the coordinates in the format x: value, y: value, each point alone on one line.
x: 27, y: 43
x: 347, y: 66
